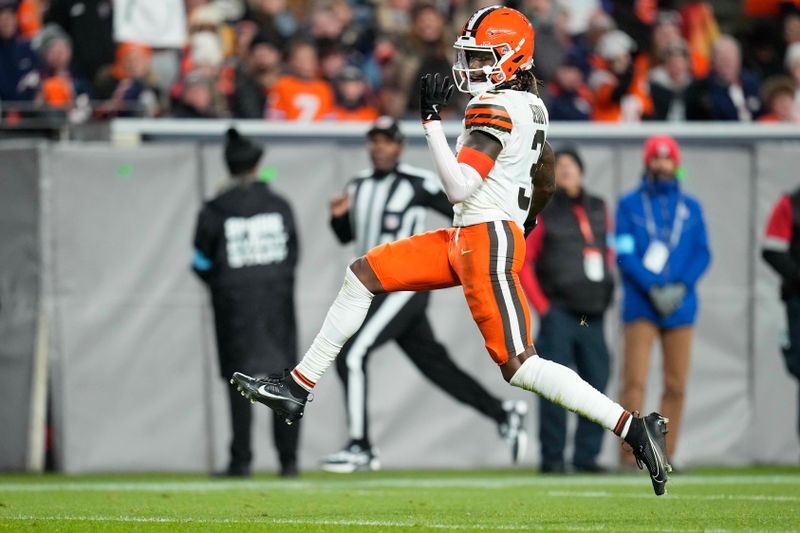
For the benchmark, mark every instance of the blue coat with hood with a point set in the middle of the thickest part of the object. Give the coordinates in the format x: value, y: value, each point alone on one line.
x: 687, y: 261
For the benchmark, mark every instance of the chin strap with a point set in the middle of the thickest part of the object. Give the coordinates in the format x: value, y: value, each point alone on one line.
x: 459, y: 179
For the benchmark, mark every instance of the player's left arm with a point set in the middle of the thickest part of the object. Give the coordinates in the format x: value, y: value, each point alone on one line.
x: 543, y: 175
x: 460, y: 177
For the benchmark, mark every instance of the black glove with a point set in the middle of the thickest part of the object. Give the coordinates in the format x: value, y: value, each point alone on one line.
x: 667, y: 299
x: 434, y: 93
x: 530, y: 227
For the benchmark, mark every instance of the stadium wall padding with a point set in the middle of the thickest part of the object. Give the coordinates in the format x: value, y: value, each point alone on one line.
x: 135, y: 383
x: 19, y: 299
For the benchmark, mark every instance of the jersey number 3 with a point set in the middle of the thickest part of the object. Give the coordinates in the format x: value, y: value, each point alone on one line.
x: 523, y: 198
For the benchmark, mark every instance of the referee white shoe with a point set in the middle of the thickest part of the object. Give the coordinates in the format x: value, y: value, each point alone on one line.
x: 352, y: 458
x: 512, y: 429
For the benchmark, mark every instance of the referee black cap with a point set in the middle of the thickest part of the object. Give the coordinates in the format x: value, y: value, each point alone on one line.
x: 388, y: 126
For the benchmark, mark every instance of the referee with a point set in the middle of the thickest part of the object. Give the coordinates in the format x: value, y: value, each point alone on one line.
x: 386, y: 203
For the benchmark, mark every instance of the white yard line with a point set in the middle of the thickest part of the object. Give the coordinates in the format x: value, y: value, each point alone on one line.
x: 347, y: 523
x: 420, y: 483
x: 737, y: 497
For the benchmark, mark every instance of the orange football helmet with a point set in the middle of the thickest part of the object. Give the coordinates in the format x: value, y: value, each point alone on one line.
x: 496, y: 32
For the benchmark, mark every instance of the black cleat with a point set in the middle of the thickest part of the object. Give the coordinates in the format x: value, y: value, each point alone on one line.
x: 646, y: 436
x: 274, y: 392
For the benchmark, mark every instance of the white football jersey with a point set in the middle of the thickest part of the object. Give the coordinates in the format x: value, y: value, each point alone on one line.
x: 519, y: 120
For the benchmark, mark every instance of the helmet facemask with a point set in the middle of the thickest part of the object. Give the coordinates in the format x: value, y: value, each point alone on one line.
x: 480, y: 68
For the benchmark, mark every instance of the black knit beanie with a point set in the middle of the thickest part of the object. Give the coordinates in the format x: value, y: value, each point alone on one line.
x: 241, y: 154
x: 572, y: 152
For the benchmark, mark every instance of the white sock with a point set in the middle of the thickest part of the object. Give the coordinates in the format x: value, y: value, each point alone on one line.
x: 563, y: 386
x: 344, y: 318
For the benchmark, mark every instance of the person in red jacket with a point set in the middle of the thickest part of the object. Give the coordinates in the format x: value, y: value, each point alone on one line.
x: 781, y: 251
x: 567, y: 278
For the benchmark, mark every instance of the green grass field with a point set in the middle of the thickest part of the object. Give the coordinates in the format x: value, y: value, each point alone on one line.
x: 764, y: 499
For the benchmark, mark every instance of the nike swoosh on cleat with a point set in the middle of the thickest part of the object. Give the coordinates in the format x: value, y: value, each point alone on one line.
x: 264, y: 392
x: 658, y: 466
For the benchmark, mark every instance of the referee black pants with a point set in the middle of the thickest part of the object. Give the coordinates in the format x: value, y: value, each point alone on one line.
x: 400, y: 316
x: 285, y: 437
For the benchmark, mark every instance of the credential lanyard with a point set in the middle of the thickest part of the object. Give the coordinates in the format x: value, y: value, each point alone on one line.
x: 583, y: 223
x: 677, y: 222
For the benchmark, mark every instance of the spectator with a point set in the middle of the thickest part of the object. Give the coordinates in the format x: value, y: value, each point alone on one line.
x: 255, y: 76
x: 18, y: 62
x: 326, y: 27
x: 584, y: 45
x: 29, y: 17
x: 246, y: 252
x: 552, y: 37
x: 272, y: 16
x: 668, y: 83
x: 301, y: 95
x: 59, y: 88
x: 128, y: 85
x: 425, y: 51
x: 356, y: 36
x: 662, y: 250
x: 89, y: 25
x: 197, y: 99
x: 570, y: 98
x: 791, y: 28
x: 666, y: 30
x: 763, y: 53
x: 793, y: 68
x: 778, y: 96
x: 352, y: 97
x: 210, y: 19
x: 579, y: 14
x: 619, y: 91
x: 332, y: 60
x: 781, y: 251
x: 393, y: 18
x: 728, y: 93
x: 567, y: 277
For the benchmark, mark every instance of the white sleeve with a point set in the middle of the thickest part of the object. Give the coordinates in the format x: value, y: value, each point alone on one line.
x: 459, y: 180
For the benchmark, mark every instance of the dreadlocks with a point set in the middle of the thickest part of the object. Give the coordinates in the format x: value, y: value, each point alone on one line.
x: 525, y: 81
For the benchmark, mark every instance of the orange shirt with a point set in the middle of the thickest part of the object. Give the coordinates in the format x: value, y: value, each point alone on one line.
x: 363, y: 113
x: 765, y: 8
x: 294, y: 98
x: 605, y: 108
x: 29, y: 18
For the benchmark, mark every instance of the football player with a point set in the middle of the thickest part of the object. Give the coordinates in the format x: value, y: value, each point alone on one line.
x: 500, y: 179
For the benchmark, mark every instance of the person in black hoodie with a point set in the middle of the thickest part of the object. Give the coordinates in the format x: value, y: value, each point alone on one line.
x: 246, y: 252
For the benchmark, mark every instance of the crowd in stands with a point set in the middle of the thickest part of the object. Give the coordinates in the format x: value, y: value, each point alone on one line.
x: 600, y: 60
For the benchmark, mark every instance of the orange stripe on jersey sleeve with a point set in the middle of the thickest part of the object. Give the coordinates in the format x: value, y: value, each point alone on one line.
x: 494, y: 123
x: 494, y: 110
x: 481, y: 162
x: 488, y: 115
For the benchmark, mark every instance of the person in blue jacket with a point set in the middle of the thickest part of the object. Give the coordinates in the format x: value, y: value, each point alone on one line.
x: 662, y: 251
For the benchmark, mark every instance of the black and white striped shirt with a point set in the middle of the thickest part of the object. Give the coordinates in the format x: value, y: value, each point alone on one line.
x: 388, y: 207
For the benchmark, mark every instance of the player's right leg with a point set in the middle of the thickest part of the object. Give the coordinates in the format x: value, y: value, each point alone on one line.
x: 417, y: 263
x: 488, y: 260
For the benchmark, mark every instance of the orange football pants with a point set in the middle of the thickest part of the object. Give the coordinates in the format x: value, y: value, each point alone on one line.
x: 485, y: 259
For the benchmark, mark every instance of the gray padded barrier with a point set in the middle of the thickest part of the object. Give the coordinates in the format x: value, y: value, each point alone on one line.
x: 133, y: 368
